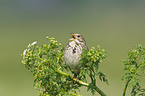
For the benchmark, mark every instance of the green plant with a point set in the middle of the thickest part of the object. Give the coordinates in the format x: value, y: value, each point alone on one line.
x: 134, y: 67
x: 51, y: 75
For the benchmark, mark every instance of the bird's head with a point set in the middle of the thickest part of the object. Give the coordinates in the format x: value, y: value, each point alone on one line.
x: 76, y: 36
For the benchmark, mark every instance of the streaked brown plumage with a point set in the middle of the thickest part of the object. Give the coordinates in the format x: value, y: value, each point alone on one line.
x: 73, y: 51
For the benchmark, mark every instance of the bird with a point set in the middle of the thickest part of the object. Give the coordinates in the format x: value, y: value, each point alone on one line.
x: 73, y: 51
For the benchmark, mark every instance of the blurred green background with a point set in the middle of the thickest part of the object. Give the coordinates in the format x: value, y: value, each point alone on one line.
x: 115, y: 25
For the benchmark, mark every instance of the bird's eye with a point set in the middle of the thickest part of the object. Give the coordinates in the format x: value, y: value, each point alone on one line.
x: 78, y: 35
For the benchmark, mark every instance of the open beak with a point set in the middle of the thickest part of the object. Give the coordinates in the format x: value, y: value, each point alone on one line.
x: 73, y: 37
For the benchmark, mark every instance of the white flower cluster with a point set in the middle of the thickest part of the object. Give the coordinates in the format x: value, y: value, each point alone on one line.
x: 24, y: 52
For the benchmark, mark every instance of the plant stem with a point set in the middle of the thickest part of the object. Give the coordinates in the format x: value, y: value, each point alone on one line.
x: 82, y: 83
x: 125, y: 88
x: 99, y: 91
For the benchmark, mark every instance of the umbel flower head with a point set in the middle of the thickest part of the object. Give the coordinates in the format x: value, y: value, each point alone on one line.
x: 30, y: 45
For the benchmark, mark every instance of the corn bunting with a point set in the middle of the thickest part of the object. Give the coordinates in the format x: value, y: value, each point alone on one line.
x: 72, y: 54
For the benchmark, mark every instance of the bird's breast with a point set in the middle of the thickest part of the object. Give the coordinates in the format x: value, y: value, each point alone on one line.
x: 72, y: 55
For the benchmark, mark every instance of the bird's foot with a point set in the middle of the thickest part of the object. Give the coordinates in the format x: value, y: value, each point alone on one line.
x: 76, y: 79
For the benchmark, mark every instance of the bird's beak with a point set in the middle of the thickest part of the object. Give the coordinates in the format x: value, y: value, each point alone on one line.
x: 72, y: 39
x: 73, y: 34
